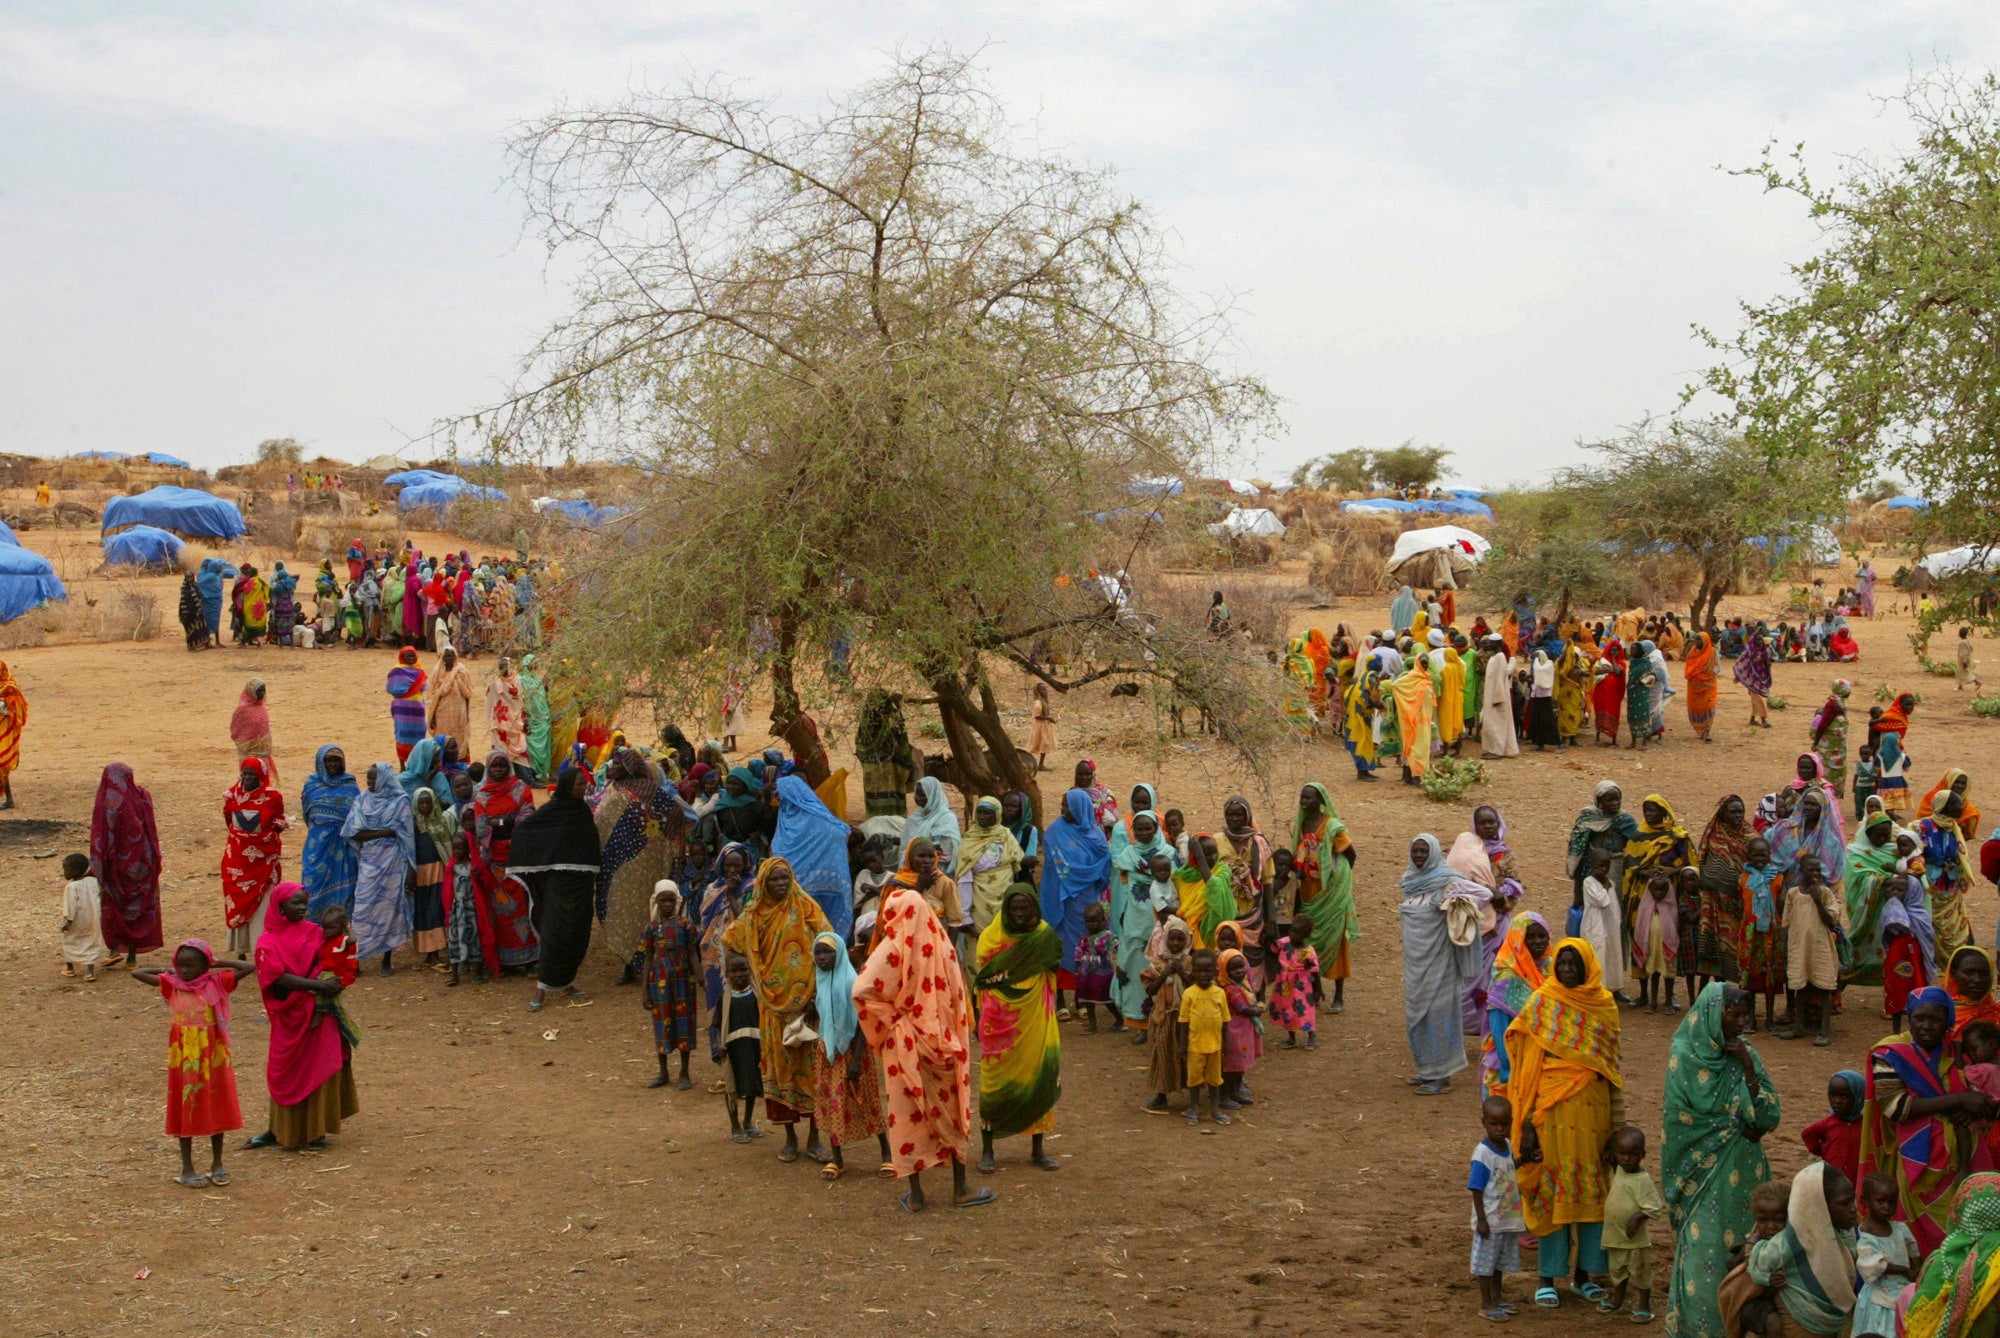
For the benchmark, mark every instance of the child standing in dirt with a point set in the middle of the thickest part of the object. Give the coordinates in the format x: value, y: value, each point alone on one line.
x: 741, y: 1044
x: 1497, y: 1221
x: 1632, y: 1201
x: 1204, y: 1011
x: 201, y: 1081
x: 1166, y: 975
x: 83, y: 919
x: 1096, y: 963
x: 669, y: 948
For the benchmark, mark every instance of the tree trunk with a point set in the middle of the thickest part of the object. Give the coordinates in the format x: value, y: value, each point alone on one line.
x: 788, y: 717
x: 987, y: 755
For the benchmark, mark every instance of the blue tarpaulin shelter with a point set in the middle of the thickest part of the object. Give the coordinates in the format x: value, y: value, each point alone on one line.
x: 404, y: 478
x: 142, y: 546
x: 442, y: 492
x: 100, y: 455
x: 1907, y: 504
x: 186, y: 511
x: 162, y: 458
x: 7, y: 535
x: 27, y: 581
x: 585, y: 513
x: 1448, y: 506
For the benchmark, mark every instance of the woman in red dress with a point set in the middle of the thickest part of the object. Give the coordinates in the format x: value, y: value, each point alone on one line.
x: 252, y: 856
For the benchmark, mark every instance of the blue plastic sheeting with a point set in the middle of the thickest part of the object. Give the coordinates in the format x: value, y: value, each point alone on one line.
x: 587, y: 514
x: 1447, y: 506
x: 1154, y: 488
x: 162, y: 458
x: 7, y: 535
x: 1907, y: 504
x: 100, y: 455
x: 1472, y: 494
x: 403, y: 478
x: 443, y: 491
x: 27, y: 581
x: 188, y: 511
x: 142, y: 546
x: 1121, y: 513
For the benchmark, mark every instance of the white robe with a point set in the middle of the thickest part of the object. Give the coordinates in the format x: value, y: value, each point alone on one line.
x: 1496, y: 716
x: 1600, y: 929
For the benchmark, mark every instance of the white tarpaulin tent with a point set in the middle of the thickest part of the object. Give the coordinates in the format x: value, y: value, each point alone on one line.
x: 1255, y: 522
x: 1957, y: 561
x: 1242, y: 487
x: 1437, y: 555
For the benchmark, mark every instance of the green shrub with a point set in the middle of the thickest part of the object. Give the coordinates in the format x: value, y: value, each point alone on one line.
x: 1450, y: 777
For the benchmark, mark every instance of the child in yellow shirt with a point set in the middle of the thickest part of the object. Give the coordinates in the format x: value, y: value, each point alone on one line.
x: 1204, y: 1011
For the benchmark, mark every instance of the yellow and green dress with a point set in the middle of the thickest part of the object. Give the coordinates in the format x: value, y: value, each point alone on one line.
x: 1020, y: 1045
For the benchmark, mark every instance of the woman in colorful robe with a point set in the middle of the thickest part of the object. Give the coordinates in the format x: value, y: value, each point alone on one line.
x: 125, y: 861
x: 1915, y: 1127
x: 254, y: 814
x: 1702, y: 684
x: 327, y: 864
x: 1020, y: 1043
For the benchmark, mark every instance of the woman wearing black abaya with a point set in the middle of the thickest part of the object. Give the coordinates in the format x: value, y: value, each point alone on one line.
x: 556, y: 853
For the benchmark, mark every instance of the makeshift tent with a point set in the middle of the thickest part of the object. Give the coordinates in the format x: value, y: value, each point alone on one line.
x: 185, y: 511
x: 1958, y: 561
x: 1242, y: 487
x: 1161, y: 487
x: 405, y: 477
x: 27, y: 581
x: 1256, y: 522
x: 1436, y: 556
x: 585, y: 513
x: 100, y: 455
x: 7, y: 535
x: 385, y: 462
x: 162, y: 458
x: 142, y: 546
x: 442, y: 492
x: 1907, y: 504
x: 1474, y: 494
x: 1446, y: 506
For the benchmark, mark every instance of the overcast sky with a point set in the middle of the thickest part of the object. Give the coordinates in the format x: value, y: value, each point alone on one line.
x: 1484, y: 225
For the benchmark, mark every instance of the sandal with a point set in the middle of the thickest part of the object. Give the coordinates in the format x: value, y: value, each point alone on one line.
x: 69, y: 971
x: 1591, y: 1291
x: 886, y: 1171
x: 903, y: 1202
x: 788, y: 1154
x: 979, y: 1200
x: 1547, y: 1298
x: 1642, y: 1317
x: 1497, y: 1315
x: 193, y: 1180
x: 831, y: 1172
x: 218, y: 1176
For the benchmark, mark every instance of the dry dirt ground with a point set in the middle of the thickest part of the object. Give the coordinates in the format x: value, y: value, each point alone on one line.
x: 510, y: 1173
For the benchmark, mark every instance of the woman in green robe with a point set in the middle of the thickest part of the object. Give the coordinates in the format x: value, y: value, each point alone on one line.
x: 1718, y: 1106
x: 1323, y: 860
x: 535, y: 710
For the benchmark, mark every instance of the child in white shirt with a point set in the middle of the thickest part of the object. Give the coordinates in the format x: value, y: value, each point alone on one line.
x: 82, y: 919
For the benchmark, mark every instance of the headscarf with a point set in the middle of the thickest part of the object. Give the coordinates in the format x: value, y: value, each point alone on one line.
x: 813, y: 843
x: 933, y: 820
x: 1576, y: 1024
x: 1135, y: 857
x: 1706, y: 1103
x: 1516, y: 972
x: 384, y: 808
x: 834, y: 993
x: 1469, y: 859
x: 911, y: 997
x: 306, y: 1047
x: 419, y: 766
x: 561, y: 835
x: 1789, y: 839
x: 1809, y: 1229
x: 1026, y: 834
x: 1594, y: 822
x: 1968, y: 817
x: 207, y: 986
x: 1753, y: 666
x: 1433, y: 878
x: 251, y: 719
x: 1960, y: 1282
x: 753, y: 790
x: 1403, y: 610
x: 1730, y: 843
x: 1858, y: 1086
x: 1077, y: 863
x: 1333, y: 919
x: 439, y: 824
x: 1156, y: 942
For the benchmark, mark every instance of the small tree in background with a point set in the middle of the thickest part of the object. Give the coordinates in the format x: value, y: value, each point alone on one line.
x: 280, y: 451
x: 1409, y: 465
x: 1341, y: 471
x: 1550, y: 545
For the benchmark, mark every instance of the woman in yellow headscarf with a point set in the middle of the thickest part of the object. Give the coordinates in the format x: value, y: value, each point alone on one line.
x: 1450, y: 696
x: 1661, y: 843
x: 13, y: 716
x: 1020, y: 1044
x: 1360, y: 720
x: 1956, y: 782
x: 776, y: 932
x: 1416, y: 717
x: 1572, y: 688
x: 1565, y: 1083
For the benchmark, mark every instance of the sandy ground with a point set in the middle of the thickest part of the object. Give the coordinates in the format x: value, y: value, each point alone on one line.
x: 510, y: 1173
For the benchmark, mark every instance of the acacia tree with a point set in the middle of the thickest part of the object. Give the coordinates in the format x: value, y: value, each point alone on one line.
x: 1549, y: 544
x: 1699, y: 489
x: 1883, y: 353
x: 1408, y: 465
x: 883, y: 366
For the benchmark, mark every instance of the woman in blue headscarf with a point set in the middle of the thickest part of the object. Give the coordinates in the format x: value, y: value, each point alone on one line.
x: 424, y: 770
x: 740, y: 815
x: 327, y: 865
x: 1076, y: 870
x: 814, y: 843
x: 214, y: 571
x: 934, y: 821
x: 1403, y: 610
x: 381, y: 826
x: 1134, y: 912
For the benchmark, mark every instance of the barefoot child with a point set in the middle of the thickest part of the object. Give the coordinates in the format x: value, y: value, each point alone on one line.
x: 847, y: 1084
x: 1204, y: 1011
x: 83, y: 919
x: 1164, y: 978
x: 1656, y: 941
x: 1630, y: 1204
x: 1497, y: 1223
x: 1885, y: 1256
x: 1815, y: 923
x: 1298, y: 977
x: 201, y: 1082
x: 668, y: 948
x: 1096, y: 962
x: 1764, y: 966
x: 741, y: 1044
x: 1242, y: 1037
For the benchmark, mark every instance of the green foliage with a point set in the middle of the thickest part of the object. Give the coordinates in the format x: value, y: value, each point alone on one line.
x: 1548, y: 545
x: 1880, y: 490
x: 1882, y: 353
x: 885, y: 365
x: 1450, y: 777
x: 1989, y: 707
x: 1699, y: 489
x: 280, y: 450
x: 1407, y: 465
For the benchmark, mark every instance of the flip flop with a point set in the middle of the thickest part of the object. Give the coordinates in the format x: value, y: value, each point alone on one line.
x: 903, y: 1202
x: 1642, y: 1317
x: 1496, y: 1315
x: 978, y: 1200
x: 886, y: 1171
x: 788, y: 1154
x: 831, y: 1172
x: 1548, y: 1298
x: 218, y: 1176
x: 1591, y: 1291
x: 193, y: 1181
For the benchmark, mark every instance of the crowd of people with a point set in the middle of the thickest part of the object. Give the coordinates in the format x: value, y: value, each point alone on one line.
x: 1423, y: 689
x: 400, y: 598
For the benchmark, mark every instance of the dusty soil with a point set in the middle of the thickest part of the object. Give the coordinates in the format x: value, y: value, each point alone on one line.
x: 510, y: 1174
